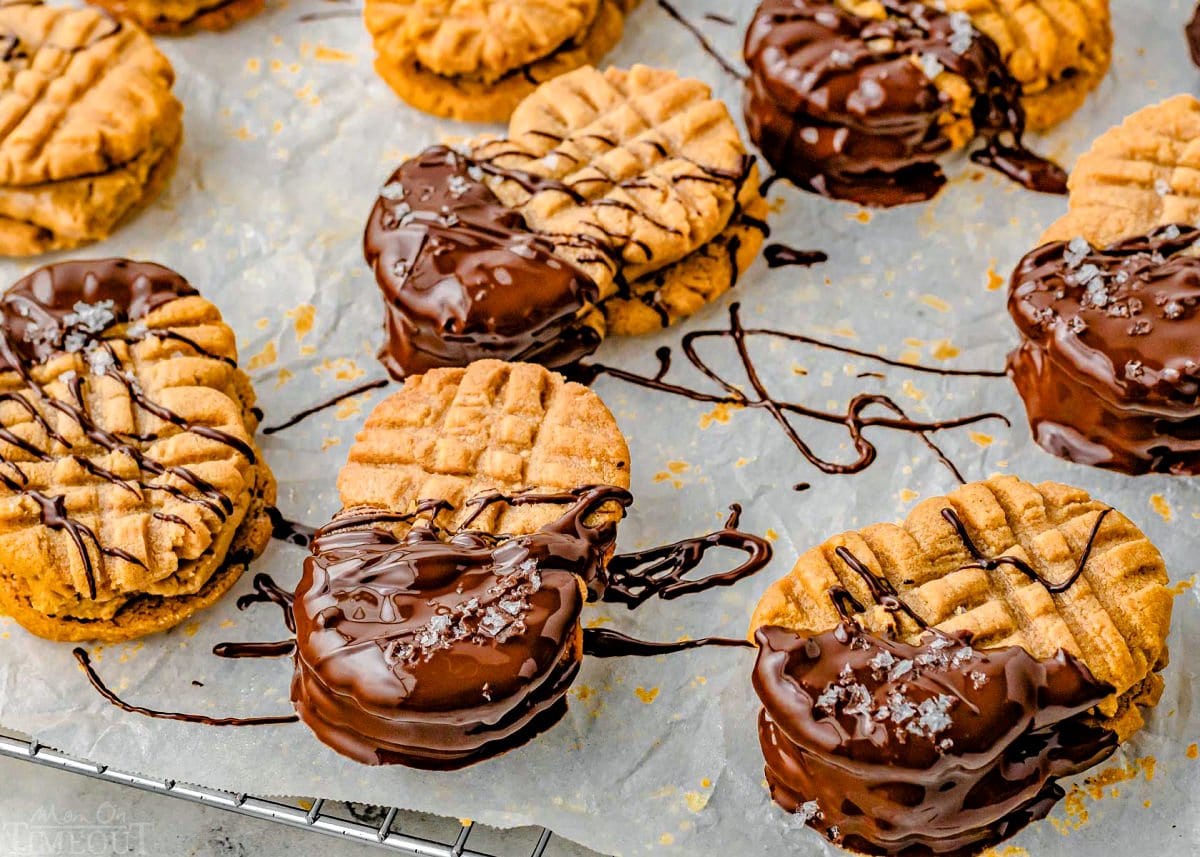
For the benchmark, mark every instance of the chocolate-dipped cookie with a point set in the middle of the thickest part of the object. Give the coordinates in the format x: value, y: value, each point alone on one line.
x: 1109, y: 361
x: 857, y: 100
x: 464, y: 279
x: 131, y: 490
x: 925, y: 684
x: 437, y: 620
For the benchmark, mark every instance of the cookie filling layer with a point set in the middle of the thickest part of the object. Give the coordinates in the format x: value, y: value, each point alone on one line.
x: 463, y: 278
x: 95, y: 309
x: 1109, y: 363
x: 936, y: 748
x: 434, y: 649
x: 858, y: 108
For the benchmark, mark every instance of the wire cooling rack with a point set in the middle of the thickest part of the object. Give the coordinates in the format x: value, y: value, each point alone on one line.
x: 327, y: 817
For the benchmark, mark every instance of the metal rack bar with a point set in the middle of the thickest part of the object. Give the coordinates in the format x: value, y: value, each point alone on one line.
x: 300, y: 814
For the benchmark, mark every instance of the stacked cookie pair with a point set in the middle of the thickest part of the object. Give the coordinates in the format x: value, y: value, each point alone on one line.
x: 1108, y: 305
x: 89, y: 128
x: 618, y: 202
x: 856, y: 99
x: 438, y: 618
x: 477, y: 59
x: 132, y: 493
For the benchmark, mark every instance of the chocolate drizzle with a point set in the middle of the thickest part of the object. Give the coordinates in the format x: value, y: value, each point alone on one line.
x: 780, y: 256
x: 634, y: 578
x: 101, y: 688
x: 705, y: 45
x: 990, y: 563
x: 80, y: 307
x: 436, y: 649
x: 326, y: 404
x: 856, y: 419
x: 848, y: 107
x: 464, y: 278
x: 935, y: 748
x: 291, y: 532
x: 1109, y: 366
x: 606, y: 643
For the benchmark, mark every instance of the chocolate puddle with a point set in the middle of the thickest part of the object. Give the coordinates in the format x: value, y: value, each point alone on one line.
x: 855, y: 419
x: 1192, y: 31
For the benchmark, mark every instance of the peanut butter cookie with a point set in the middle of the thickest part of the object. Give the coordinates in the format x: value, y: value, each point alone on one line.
x: 89, y: 128
x: 1003, y: 636
x: 438, y: 619
x: 131, y: 490
x: 1058, y: 50
x: 639, y: 178
x: 1136, y: 176
x: 476, y: 60
x: 171, y: 17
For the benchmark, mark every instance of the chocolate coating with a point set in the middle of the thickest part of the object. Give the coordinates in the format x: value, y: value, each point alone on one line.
x: 837, y: 103
x: 895, y: 749
x: 1109, y: 362
x: 464, y: 279
x: 437, y: 650
x: 38, y: 312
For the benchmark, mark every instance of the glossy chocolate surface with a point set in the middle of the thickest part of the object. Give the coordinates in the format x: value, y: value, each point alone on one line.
x: 846, y: 106
x: 935, y: 748
x: 464, y: 279
x: 435, y: 649
x: 1109, y: 363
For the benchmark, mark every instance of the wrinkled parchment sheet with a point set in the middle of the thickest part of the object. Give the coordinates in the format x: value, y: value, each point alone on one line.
x: 290, y: 134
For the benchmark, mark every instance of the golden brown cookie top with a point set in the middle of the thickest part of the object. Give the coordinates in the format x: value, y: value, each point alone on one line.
x: 1136, y: 176
x: 1114, y: 616
x: 127, y: 458
x: 1044, y: 41
x: 455, y: 434
x: 476, y: 38
x: 80, y: 92
x: 627, y: 171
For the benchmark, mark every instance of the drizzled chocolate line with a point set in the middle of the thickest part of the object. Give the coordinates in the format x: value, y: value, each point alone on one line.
x: 881, y: 590
x: 101, y: 688
x: 605, y: 643
x: 267, y: 591
x: 291, y: 532
x: 780, y: 256
x: 991, y: 563
x: 279, y: 649
x: 705, y: 45
x: 854, y: 419
x: 377, y: 384
x: 634, y: 578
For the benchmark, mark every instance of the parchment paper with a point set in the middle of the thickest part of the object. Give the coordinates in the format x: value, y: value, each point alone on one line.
x: 289, y: 135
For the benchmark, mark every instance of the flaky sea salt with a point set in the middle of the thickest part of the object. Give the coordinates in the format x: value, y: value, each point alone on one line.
x: 1077, y: 250
x: 931, y: 66
x: 1162, y: 187
x: 392, y: 191
x: 962, y: 32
